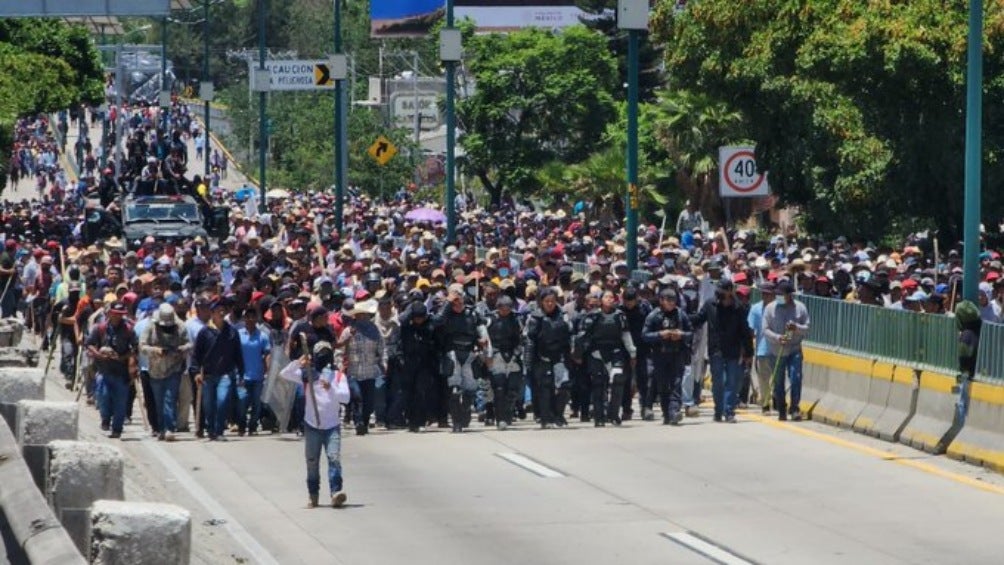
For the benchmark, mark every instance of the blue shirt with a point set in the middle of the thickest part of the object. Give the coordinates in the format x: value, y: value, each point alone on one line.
x: 755, y: 321
x: 254, y: 347
x: 144, y: 361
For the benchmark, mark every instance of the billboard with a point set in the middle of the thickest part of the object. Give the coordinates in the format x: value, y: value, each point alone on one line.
x: 408, y: 18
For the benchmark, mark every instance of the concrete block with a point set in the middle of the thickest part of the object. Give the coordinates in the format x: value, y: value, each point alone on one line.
x: 40, y: 422
x: 847, y: 390
x: 902, y: 404
x: 139, y: 532
x: 815, y: 378
x: 934, y: 424
x: 878, y: 397
x: 981, y: 440
x: 19, y: 384
x: 79, y: 473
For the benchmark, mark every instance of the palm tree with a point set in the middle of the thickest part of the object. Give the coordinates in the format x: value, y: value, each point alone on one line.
x: 691, y: 127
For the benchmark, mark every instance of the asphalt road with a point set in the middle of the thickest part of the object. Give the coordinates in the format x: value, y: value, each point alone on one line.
x: 754, y: 492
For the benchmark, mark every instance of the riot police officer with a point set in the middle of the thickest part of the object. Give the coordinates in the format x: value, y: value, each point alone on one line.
x: 605, y: 344
x: 460, y: 333
x: 418, y: 365
x: 547, y: 344
x: 505, y: 366
x: 669, y: 333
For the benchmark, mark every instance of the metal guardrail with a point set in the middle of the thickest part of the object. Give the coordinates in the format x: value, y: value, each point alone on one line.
x: 990, y: 358
x: 923, y: 339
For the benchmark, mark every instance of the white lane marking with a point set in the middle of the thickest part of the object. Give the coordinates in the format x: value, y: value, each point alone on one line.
x: 531, y: 465
x: 255, y: 550
x: 707, y: 549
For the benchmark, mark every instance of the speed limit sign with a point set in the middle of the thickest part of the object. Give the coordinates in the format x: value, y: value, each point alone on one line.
x: 738, y: 176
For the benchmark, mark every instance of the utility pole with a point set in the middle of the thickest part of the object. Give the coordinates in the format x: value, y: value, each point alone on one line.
x: 262, y: 125
x: 974, y: 152
x: 341, y: 131
x: 165, y: 105
x: 450, y: 52
x: 206, y: 93
x: 414, y: 91
x: 632, y: 15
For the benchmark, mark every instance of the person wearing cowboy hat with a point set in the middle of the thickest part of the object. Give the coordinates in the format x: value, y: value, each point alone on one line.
x: 785, y: 325
x: 166, y: 347
x: 365, y: 361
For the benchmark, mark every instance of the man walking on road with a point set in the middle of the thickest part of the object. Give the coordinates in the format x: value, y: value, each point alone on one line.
x: 166, y: 346
x: 764, y: 361
x: 326, y: 391
x: 785, y: 324
x: 729, y: 342
x: 218, y: 362
x: 113, y: 346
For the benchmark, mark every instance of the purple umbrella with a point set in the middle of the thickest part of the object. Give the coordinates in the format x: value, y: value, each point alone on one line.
x: 426, y: 215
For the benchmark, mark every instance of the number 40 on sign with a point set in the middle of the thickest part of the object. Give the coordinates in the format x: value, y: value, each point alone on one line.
x: 738, y: 174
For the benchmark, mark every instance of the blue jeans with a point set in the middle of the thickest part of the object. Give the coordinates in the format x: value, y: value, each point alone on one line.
x: 725, y: 374
x: 165, y: 399
x: 331, y: 440
x: 363, y: 396
x: 115, y: 395
x: 791, y: 366
x: 249, y: 396
x: 215, y: 396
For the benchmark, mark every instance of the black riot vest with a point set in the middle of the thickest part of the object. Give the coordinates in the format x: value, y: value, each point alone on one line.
x: 504, y: 333
x: 553, y: 336
x: 607, y: 329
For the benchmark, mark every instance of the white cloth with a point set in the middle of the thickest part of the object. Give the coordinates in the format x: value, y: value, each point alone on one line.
x: 329, y: 401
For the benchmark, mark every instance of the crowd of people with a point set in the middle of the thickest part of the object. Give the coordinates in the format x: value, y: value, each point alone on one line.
x: 531, y: 316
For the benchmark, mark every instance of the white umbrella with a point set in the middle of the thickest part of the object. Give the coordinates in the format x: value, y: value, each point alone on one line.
x: 277, y: 193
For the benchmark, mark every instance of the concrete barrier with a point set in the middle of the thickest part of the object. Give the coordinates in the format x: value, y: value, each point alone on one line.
x: 878, y: 397
x: 39, y: 423
x: 79, y: 474
x: 815, y: 379
x: 981, y: 440
x: 33, y: 527
x: 849, y: 380
x: 139, y: 532
x: 934, y: 423
x: 18, y: 384
x: 901, y: 405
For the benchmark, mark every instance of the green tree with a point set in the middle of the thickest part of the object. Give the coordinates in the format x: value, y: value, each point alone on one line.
x: 856, y: 107
x: 539, y: 96
x: 691, y: 127
x: 47, y: 65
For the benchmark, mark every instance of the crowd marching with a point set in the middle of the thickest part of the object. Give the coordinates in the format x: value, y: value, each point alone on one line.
x: 277, y: 326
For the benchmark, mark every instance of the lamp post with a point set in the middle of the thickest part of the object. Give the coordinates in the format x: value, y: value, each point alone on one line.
x: 632, y: 15
x: 974, y: 152
x: 341, y: 129
x: 206, y: 87
x: 450, y: 52
x: 262, y: 125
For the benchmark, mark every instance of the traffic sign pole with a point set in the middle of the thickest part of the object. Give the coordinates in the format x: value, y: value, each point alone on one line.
x: 341, y: 133
x: 262, y: 126
x: 205, y: 77
x: 974, y: 152
x: 451, y: 139
x: 631, y: 201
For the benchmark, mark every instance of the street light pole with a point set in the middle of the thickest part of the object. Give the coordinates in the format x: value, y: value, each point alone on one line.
x: 164, y: 104
x: 262, y: 126
x: 451, y: 138
x: 205, y: 79
x: 631, y: 202
x: 632, y: 15
x: 974, y: 152
x: 341, y: 131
